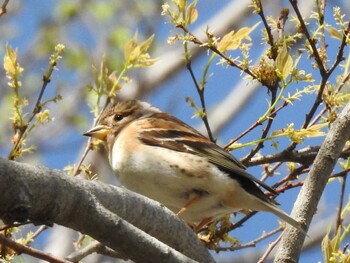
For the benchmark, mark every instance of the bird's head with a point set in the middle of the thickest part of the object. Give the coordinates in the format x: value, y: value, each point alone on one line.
x: 117, y: 116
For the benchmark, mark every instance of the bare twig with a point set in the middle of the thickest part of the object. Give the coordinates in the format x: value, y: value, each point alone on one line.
x: 88, y: 147
x: 93, y: 247
x: 340, y: 55
x: 270, y: 39
x: 341, y: 85
x: 19, y: 248
x: 76, y: 170
x: 289, y: 186
x: 3, y: 8
x: 339, y: 221
x: 282, y: 19
x: 269, y: 171
x: 343, y: 173
x: 303, y: 156
x: 200, y: 91
x: 311, y: 41
x: 256, y: 124
x: 5, y: 227
x: 253, y: 242
x: 228, y: 60
x: 323, y: 46
x: 39, y: 231
x: 266, y: 129
x: 269, y: 249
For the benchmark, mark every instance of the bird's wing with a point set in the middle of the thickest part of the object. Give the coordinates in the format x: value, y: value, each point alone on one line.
x: 169, y: 132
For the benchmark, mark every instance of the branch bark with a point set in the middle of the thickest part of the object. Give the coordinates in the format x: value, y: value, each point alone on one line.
x: 310, y: 194
x: 133, y: 225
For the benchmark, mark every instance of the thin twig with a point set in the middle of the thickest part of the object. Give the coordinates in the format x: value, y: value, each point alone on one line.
x: 89, y: 249
x: 311, y: 41
x: 270, y: 171
x: 253, y: 126
x: 265, y: 131
x: 289, y: 186
x: 200, y: 92
x: 338, y: 89
x: 339, y: 221
x: 93, y: 247
x: 282, y: 19
x: 298, y: 184
x: 37, y: 108
x: 270, y: 39
x: 343, y: 173
x: 325, y: 74
x: 39, y: 231
x: 228, y: 60
x: 340, y: 55
x: 5, y: 227
x: 3, y: 8
x: 76, y: 170
x: 291, y: 176
x: 269, y: 249
x: 19, y: 248
x: 251, y: 243
x: 323, y: 46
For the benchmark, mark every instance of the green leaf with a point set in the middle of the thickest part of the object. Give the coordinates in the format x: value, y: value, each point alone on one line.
x: 144, y: 46
x: 284, y: 62
x: 191, y: 13
x: 11, y: 65
x: 181, y: 4
x: 136, y: 54
x: 232, y: 40
x: 334, y: 33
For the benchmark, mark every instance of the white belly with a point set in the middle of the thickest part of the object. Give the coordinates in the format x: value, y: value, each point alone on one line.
x: 170, y: 178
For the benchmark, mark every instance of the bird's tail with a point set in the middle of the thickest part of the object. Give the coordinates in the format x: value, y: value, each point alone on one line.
x: 269, y: 207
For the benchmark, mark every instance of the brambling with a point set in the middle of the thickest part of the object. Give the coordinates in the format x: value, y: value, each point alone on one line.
x: 157, y: 155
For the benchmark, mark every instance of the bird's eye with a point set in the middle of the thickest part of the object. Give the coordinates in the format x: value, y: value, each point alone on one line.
x: 118, y: 117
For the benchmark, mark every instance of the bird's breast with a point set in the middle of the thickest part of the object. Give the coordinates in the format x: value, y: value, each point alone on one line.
x: 172, y: 178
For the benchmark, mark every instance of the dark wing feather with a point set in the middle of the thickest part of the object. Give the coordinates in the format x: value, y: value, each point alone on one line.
x: 187, y: 139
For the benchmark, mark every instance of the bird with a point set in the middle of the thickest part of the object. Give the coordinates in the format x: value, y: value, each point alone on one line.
x: 157, y: 155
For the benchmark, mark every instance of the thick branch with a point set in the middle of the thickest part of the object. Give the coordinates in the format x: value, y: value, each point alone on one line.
x: 310, y: 194
x: 109, y: 214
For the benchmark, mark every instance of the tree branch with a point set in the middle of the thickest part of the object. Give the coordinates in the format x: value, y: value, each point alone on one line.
x: 49, y: 196
x: 310, y: 194
x: 20, y: 248
x: 311, y: 41
x: 93, y: 247
x: 3, y: 8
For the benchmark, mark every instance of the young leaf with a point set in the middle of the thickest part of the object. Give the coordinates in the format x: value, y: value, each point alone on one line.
x: 284, y: 62
x: 12, y: 68
x: 232, y: 40
x: 191, y: 13
x: 136, y: 54
x: 334, y: 33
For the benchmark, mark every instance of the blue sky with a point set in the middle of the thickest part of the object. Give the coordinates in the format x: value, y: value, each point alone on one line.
x: 22, y: 28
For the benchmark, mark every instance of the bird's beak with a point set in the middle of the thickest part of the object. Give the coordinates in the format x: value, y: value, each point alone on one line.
x: 99, y: 132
